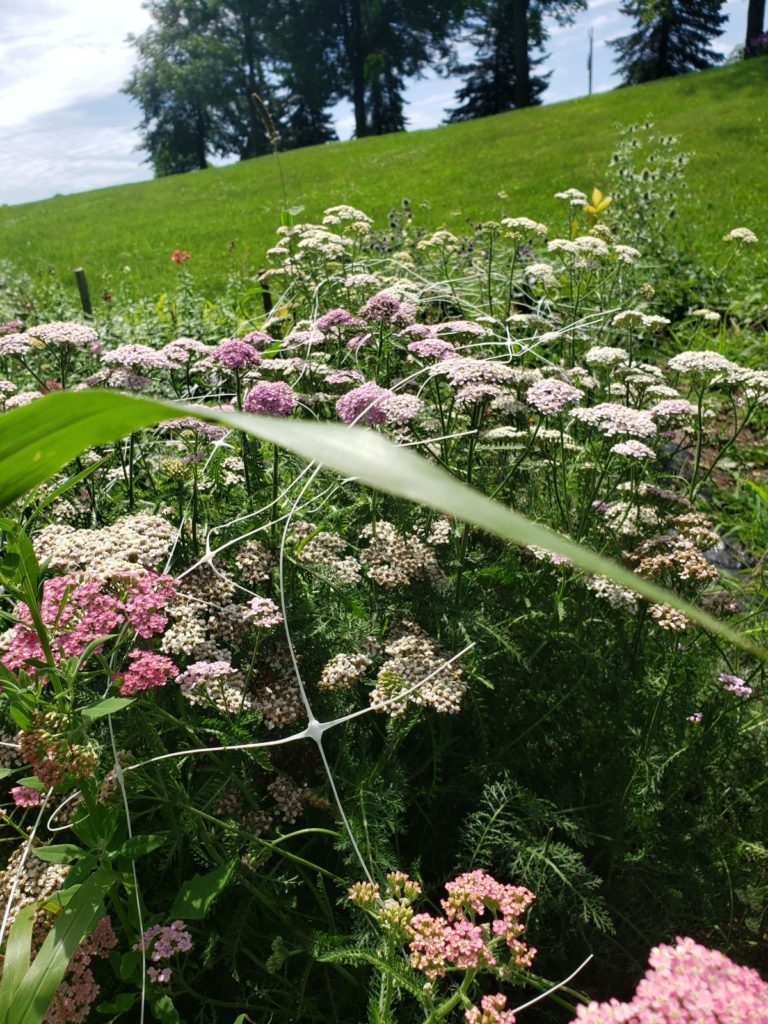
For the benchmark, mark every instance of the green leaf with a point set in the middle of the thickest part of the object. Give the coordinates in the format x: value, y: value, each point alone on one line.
x: 118, y: 1005
x: 195, y: 897
x: 32, y: 782
x: 62, y: 853
x: 17, y: 956
x: 164, y: 1011
x: 129, y: 964
x: 5, y: 772
x: 108, y: 706
x: 77, y: 920
x: 36, y: 440
x: 139, y: 846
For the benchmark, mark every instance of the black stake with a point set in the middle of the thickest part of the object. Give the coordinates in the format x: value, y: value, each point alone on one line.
x: 82, y: 287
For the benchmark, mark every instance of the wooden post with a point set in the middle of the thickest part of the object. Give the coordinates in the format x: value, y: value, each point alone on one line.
x: 266, y: 295
x: 82, y: 287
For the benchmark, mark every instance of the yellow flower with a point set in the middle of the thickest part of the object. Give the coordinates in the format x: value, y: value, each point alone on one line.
x: 598, y: 202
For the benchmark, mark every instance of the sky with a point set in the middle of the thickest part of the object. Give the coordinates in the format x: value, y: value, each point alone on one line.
x: 65, y: 126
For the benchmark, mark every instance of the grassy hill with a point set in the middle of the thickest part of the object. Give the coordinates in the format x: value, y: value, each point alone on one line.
x: 451, y: 175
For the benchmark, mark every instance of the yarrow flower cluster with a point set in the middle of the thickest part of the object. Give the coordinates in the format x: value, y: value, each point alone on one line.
x: 477, y: 910
x: 687, y: 984
x: 633, y: 449
x: 79, y: 610
x: 375, y: 405
x: 236, y: 354
x: 612, y: 418
x: 164, y: 942
x: 552, y: 396
x: 78, y: 991
x: 735, y: 685
x: 270, y: 398
x: 146, y: 670
x: 63, y: 333
x: 491, y: 1011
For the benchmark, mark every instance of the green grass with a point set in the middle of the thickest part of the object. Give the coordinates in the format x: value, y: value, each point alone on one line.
x: 451, y: 175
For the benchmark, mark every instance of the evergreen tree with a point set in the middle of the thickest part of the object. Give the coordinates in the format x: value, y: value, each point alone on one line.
x: 670, y: 37
x: 509, y: 38
x: 380, y: 44
x: 755, y: 23
x: 306, y: 67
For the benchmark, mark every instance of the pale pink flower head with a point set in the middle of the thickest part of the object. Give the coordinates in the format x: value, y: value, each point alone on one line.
x: 687, y: 984
x: 433, y: 348
x: 258, y: 338
x: 270, y: 398
x: 338, y: 320
x: 491, y: 1011
x: 235, y: 354
x: 363, y: 404
x: 388, y: 309
x: 735, y: 685
x: 552, y: 396
x: 25, y: 796
x: 265, y: 613
x: 633, y: 449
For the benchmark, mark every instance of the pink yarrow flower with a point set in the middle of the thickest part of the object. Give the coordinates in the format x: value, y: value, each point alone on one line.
x: 146, y: 671
x: 25, y: 796
x: 373, y: 404
x: 270, y: 398
x: 735, y: 685
x: 235, y: 354
x: 552, y: 396
x: 687, y: 984
x: 491, y: 1011
x: 388, y: 309
x: 265, y: 613
x: 338, y: 320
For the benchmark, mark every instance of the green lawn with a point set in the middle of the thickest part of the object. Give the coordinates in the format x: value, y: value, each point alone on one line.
x: 450, y: 174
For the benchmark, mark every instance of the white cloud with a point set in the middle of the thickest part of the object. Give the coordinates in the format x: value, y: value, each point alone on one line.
x: 55, y: 54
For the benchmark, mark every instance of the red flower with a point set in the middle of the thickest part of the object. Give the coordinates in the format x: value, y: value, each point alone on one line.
x: 180, y: 256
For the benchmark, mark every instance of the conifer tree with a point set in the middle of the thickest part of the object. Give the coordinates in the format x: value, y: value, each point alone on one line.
x: 509, y: 38
x: 670, y: 37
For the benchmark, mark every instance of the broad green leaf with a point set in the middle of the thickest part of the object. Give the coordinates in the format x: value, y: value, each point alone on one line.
x: 5, y: 772
x: 77, y: 920
x: 62, y: 853
x: 17, y: 956
x: 164, y: 1010
x: 32, y: 782
x: 108, y: 706
x: 139, y: 846
x: 118, y: 1005
x: 195, y: 897
x: 38, y: 439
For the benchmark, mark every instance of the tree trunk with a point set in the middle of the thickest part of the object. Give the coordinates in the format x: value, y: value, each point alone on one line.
x: 755, y: 22
x: 662, y: 58
x: 355, y: 53
x: 254, y: 145
x: 520, y: 54
x: 200, y: 140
